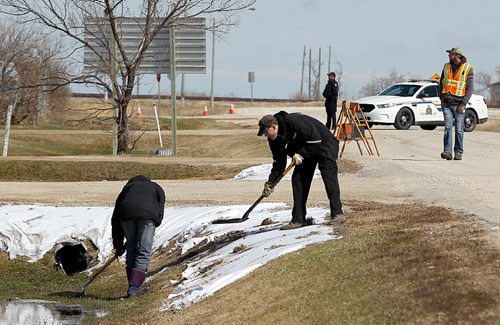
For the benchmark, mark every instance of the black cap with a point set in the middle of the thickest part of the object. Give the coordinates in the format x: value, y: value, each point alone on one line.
x: 331, y: 74
x: 265, y: 122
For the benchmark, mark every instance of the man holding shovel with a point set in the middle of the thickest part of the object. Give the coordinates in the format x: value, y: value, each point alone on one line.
x: 309, y: 142
x: 138, y: 211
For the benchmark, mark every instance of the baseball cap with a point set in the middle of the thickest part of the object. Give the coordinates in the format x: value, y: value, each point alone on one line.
x: 456, y: 50
x: 265, y: 122
x: 331, y: 73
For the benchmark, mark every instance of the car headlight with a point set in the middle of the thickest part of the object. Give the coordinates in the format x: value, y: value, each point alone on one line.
x: 386, y: 105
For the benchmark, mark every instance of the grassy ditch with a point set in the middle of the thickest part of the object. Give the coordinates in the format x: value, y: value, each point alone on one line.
x: 395, y: 264
x: 88, y: 171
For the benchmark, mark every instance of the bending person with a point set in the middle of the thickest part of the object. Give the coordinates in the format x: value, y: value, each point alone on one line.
x: 138, y: 211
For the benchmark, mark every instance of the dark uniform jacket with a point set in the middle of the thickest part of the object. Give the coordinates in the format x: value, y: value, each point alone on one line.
x: 331, y: 93
x: 140, y: 198
x: 302, y: 134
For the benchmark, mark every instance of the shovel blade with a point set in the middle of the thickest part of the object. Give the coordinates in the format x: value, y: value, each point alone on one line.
x: 232, y: 220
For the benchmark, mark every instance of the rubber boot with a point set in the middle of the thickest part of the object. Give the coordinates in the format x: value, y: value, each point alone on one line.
x: 137, y: 277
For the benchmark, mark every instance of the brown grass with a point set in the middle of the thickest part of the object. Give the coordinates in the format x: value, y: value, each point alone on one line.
x: 81, y: 107
x: 395, y: 264
x: 399, y: 263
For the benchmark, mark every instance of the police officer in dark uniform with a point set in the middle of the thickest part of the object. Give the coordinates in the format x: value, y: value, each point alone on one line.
x: 331, y: 93
x: 309, y: 143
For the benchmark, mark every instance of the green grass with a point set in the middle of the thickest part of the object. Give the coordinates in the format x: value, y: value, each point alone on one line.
x: 27, y: 279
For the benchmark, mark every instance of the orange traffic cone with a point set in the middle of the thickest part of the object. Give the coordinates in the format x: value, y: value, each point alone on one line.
x: 139, y: 112
x: 231, y: 109
x: 205, y: 111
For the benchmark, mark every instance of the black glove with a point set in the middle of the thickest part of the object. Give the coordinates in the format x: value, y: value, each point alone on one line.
x: 119, y: 251
x: 268, y: 189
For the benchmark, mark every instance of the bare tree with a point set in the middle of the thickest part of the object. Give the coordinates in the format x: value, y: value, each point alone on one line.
x: 483, y: 80
x: 315, y: 80
x: 378, y: 84
x: 339, y: 74
x: 29, y: 55
x: 67, y: 17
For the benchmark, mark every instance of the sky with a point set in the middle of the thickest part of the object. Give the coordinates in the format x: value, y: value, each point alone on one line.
x: 34, y: 230
x: 370, y: 38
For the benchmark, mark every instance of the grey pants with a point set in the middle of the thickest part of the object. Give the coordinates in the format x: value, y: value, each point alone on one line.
x: 139, y: 234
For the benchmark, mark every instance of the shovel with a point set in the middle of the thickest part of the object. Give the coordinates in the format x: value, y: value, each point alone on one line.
x: 245, y: 216
x: 94, y: 275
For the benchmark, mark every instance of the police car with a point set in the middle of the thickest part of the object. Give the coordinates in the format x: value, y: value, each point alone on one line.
x: 417, y: 102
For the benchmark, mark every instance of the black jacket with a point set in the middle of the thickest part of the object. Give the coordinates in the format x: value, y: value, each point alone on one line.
x: 331, y: 93
x: 140, y: 198
x: 302, y: 134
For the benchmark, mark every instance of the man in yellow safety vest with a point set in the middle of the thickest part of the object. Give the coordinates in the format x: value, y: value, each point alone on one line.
x: 455, y: 89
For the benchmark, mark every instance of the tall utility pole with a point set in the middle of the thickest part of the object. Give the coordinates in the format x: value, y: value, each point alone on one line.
x: 310, y: 67
x: 173, y: 94
x: 158, y: 80
x: 329, y: 58
x: 183, y: 84
x: 213, y: 66
x: 302, y: 74
x: 318, y: 90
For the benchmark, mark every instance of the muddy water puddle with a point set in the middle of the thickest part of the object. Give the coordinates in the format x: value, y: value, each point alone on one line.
x: 45, y: 312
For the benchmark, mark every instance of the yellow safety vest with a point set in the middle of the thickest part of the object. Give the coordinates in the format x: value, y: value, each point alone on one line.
x: 456, y: 85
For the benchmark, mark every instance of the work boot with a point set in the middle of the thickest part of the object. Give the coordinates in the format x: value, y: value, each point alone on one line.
x: 336, y: 219
x: 293, y: 225
x: 134, y: 291
x: 137, y: 277
x: 458, y: 156
x: 446, y: 155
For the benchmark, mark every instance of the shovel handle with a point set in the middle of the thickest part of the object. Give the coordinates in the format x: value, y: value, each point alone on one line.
x: 97, y: 272
x: 276, y: 181
x: 292, y: 163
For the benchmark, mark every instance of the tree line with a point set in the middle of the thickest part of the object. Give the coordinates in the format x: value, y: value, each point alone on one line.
x: 29, y: 74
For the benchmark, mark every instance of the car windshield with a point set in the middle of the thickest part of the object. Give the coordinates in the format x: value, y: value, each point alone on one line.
x: 401, y: 90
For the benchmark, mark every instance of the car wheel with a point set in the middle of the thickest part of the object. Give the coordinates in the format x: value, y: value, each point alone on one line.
x: 370, y: 125
x: 404, y: 119
x: 428, y: 127
x: 470, y: 121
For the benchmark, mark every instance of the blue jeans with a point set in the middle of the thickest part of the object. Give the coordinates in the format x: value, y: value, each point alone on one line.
x: 451, y: 114
x: 139, y: 234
